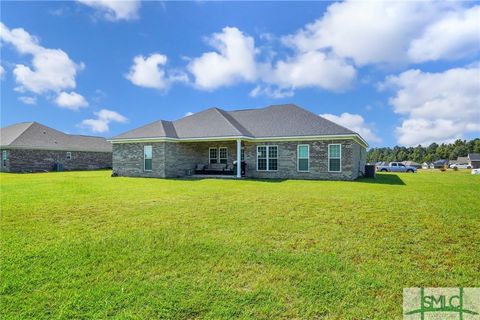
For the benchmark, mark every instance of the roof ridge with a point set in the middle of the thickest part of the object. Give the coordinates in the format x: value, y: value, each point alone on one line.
x: 222, y: 113
x: 236, y: 123
x: 171, y: 126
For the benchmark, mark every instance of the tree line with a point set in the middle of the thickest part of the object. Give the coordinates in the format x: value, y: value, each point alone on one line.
x: 420, y: 154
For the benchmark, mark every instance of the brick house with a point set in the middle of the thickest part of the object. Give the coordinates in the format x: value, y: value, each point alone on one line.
x: 33, y: 147
x: 283, y: 141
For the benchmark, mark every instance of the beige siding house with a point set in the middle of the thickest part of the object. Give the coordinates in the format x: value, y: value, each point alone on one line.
x: 276, y: 142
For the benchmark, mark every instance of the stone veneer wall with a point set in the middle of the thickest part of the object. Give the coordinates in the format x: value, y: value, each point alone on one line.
x: 287, y: 160
x: 171, y: 159
x: 29, y: 160
x: 128, y: 159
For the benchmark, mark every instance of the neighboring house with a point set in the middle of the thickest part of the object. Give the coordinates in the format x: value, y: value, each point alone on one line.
x: 282, y: 141
x: 474, y: 160
x: 440, y: 164
x: 412, y: 164
x: 33, y: 147
x: 460, y: 160
x: 427, y: 165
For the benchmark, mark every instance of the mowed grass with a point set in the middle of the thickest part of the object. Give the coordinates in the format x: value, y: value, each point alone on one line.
x: 85, y: 245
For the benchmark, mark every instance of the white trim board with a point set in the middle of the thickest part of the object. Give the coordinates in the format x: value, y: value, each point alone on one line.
x: 357, y: 138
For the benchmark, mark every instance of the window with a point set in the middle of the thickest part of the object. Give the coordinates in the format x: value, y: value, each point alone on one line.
x: 267, y: 158
x: 223, y: 151
x: 212, y: 155
x: 68, y: 156
x: 4, y: 157
x: 303, y: 155
x: 334, y: 158
x: 147, y: 158
x: 394, y: 164
x: 242, y: 154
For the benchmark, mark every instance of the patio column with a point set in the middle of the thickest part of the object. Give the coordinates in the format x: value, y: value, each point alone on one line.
x: 239, y: 158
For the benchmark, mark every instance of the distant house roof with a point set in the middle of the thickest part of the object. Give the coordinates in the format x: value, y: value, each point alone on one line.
x: 474, y: 156
x: 33, y: 135
x: 270, y: 122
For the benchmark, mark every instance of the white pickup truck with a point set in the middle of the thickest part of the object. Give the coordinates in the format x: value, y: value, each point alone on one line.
x: 396, y: 167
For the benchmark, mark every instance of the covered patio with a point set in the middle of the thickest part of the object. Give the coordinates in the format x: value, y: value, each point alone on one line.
x: 212, y: 159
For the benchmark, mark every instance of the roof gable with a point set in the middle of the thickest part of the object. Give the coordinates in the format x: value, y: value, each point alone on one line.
x: 208, y: 123
x: 11, y: 133
x: 159, y: 128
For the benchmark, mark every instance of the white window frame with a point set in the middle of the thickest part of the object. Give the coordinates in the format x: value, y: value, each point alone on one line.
x: 267, y: 158
x: 68, y: 155
x: 298, y: 157
x: 144, y: 158
x: 210, y: 158
x: 219, y: 154
x: 242, y: 154
x: 340, y: 157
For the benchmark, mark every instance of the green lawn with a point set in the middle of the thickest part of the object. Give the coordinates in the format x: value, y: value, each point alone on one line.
x: 85, y: 245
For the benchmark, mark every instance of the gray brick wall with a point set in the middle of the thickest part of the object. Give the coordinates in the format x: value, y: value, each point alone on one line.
x: 172, y: 159
x: 28, y: 160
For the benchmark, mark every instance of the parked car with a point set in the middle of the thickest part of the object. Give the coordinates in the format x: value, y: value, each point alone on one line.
x: 396, y: 167
x: 461, y: 166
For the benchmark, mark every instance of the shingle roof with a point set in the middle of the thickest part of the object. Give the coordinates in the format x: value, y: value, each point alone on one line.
x: 33, y: 135
x: 273, y: 121
x: 286, y: 120
x: 474, y: 156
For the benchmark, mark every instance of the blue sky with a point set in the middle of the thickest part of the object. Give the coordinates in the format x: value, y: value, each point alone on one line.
x: 398, y: 73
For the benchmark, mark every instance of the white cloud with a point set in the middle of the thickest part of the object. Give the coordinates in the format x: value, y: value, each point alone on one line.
x: 20, y: 39
x: 103, y: 118
x: 236, y: 62
x: 115, y: 10
x: 2, y: 72
x: 455, y: 36
x: 354, y: 122
x: 28, y: 100
x: 233, y: 62
x: 371, y: 32
x: 269, y: 91
x: 149, y: 72
x: 312, y: 69
x: 72, y: 100
x: 438, y: 107
x: 52, y: 70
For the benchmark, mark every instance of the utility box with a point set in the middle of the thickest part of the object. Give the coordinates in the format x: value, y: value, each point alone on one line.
x: 369, y: 171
